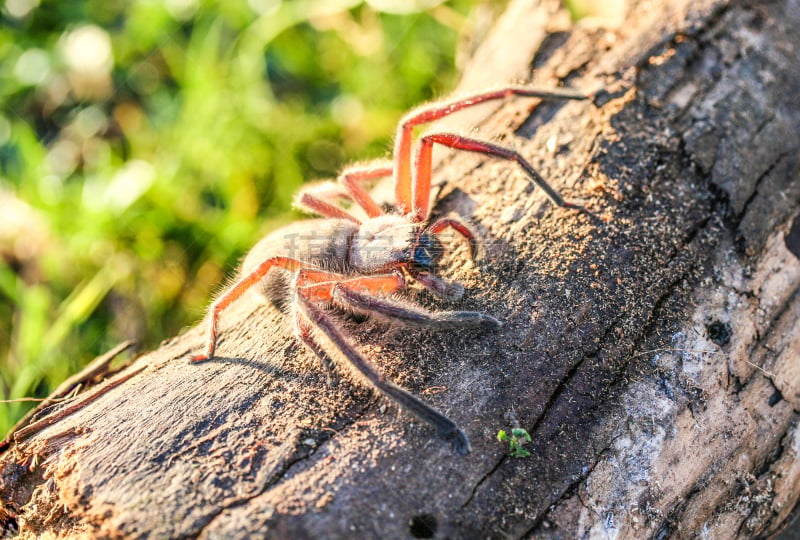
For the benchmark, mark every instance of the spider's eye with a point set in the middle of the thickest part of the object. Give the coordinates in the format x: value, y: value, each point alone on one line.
x: 426, y: 252
x: 422, y: 257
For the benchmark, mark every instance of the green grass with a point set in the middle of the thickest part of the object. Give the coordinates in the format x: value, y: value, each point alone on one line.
x: 131, y: 184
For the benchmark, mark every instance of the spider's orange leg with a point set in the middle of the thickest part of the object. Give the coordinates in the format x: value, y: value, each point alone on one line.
x: 443, y: 288
x: 319, y: 285
x: 310, y: 203
x: 408, y: 189
x: 352, y: 177
x: 458, y: 142
x: 239, y: 288
x: 446, y: 428
x: 303, y: 333
x: 315, y: 198
x: 409, y: 314
x: 451, y: 223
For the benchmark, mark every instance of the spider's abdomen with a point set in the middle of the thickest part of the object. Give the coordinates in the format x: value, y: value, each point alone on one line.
x: 320, y: 242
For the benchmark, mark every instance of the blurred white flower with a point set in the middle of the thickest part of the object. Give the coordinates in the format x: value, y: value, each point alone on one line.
x: 20, y: 8
x: 128, y: 184
x: 32, y: 66
x: 87, y: 51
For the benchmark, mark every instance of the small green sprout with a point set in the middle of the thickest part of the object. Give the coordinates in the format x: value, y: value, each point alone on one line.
x: 516, y: 440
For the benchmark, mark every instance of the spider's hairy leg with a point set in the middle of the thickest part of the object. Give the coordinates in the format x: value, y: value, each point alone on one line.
x: 459, y: 142
x: 408, y: 189
x: 237, y: 290
x: 445, y: 428
x: 302, y: 332
x: 352, y: 177
x: 327, y: 190
x: 443, y: 288
x: 457, y: 225
x: 318, y: 198
x: 319, y: 285
x: 408, y: 314
x: 312, y: 200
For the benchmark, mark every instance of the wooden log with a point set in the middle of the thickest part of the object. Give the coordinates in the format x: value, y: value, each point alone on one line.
x: 650, y: 347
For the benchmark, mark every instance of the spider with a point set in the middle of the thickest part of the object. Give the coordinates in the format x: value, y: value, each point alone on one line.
x: 356, y: 265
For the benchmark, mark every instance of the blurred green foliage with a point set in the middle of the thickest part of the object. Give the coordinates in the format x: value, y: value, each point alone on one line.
x: 145, y: 145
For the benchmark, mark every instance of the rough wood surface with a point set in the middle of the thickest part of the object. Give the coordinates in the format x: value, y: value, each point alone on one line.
x: 651, y: 348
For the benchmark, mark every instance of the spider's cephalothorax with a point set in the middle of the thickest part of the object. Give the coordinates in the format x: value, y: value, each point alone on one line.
x: 356, y: 263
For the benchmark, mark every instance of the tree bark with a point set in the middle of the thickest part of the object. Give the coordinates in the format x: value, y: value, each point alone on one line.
x: 650, y: 347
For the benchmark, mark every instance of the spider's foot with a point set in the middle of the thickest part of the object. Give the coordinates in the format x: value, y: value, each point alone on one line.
x: 490, y: 323
x: 457, y: 439
x: 459, y: 319
x: 574, y: 206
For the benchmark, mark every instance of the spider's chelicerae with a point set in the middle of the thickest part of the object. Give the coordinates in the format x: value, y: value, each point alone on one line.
x: 357, y: 264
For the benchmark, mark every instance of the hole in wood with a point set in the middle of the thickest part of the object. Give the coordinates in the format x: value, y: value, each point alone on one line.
x: 422, y: 526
